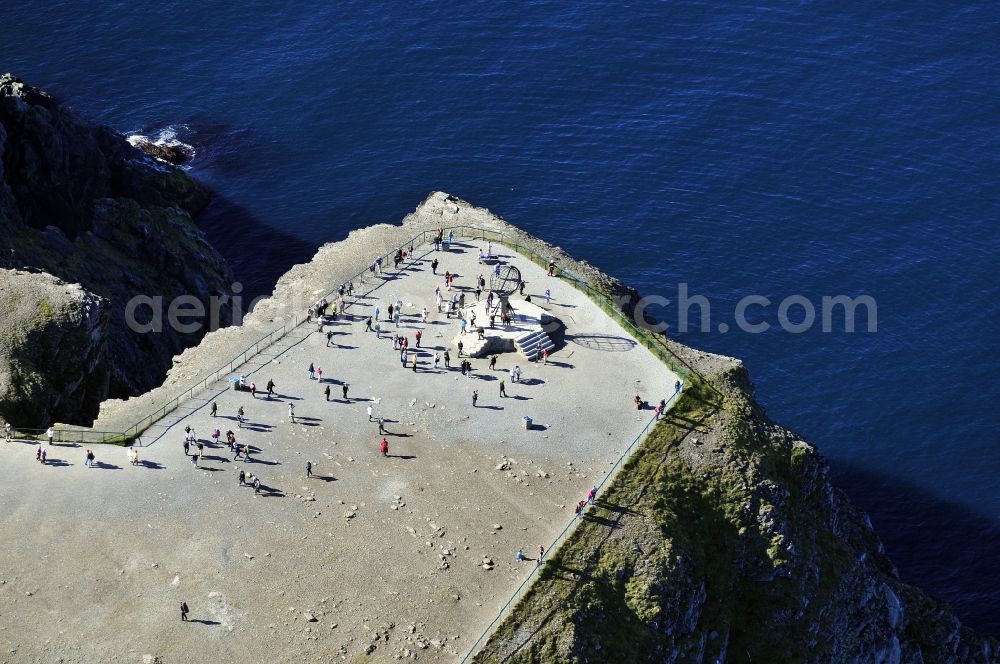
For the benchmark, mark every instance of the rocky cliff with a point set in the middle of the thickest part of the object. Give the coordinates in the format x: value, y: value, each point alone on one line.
x: 82, y: 204
x: 53, y: 347
x: 723, y: 540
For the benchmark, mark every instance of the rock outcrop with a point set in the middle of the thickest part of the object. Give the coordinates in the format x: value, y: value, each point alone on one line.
x: 81, y: 203
x: 723, y: 540
x: 172, y: 154
x: 53, y: 348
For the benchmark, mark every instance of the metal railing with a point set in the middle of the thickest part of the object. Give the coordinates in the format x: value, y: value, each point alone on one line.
x: 644, y: 336
x: 132, y: 432
x: 560, y: 539
x: 363, y: 277
x: 67, y: 435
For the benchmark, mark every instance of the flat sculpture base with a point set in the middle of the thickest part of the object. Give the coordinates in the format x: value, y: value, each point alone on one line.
x: 527, y: 320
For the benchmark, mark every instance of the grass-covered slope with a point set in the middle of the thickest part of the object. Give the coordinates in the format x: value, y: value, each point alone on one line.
x: 723, y: 540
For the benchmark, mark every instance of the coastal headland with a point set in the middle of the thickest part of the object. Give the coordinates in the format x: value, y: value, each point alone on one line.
x: 542, y: 481
x: 717, y: 537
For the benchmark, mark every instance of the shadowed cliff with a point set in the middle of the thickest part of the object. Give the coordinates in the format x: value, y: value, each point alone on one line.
x: 78, y: 202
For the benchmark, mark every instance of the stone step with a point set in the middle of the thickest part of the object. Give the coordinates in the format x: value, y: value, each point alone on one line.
x: 532, y: 344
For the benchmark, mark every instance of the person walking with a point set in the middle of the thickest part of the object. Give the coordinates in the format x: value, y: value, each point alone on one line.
x: 417, y: 335
x: 291, y: 413
x: 243, y: 477
x: 368, y: 325
x: 319, y: 373
x: 51, y: 433
x: 378, y: 330
x: 548, y: 296
x: 201, y: 451
x: 591, y: 494
x: 8, y: 432
x: 437, y: 360
x: 187, y: 445
x: 270, y: 388
x: 343, y: 388
x: 90, y: 459
x: 434, y: 266
x: 414, y: 363
x: 475, y: 397
x: 184, y: 611
x: 309, y: 469
x: 545, y: 356
x: 239, y: 418
x: 447, y: 360
x: 384, y: 447
x: 381, y: 426
x: 371, y: 410
x: 541, y: 554
x: 513, y: 375
x: 503, y: 389
x: 329, y: 335
x: 256, y: 486
x: 312, y: 371
x: 493, y: 363
x: 327, y: 392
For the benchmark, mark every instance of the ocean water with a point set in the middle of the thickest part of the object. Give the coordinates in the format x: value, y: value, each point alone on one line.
x: 787, y: 148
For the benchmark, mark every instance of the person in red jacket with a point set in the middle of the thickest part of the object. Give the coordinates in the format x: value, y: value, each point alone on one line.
x: 384, y: 447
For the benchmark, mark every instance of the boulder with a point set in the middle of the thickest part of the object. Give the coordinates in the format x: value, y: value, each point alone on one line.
x: 170, y: 153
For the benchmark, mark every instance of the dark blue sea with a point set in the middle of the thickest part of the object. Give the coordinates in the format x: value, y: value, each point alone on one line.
x: 788, y: 148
